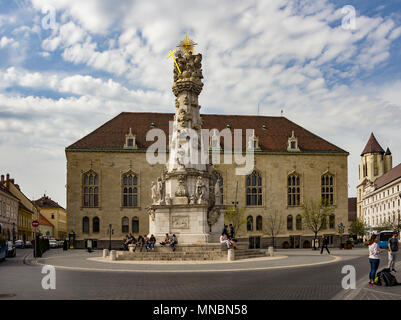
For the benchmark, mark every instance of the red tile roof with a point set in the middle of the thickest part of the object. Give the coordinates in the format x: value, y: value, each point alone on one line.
x: 388, y: 177
x: 273, y: 137
x: 351, y: 209
x: 372, y: 146
x: 44, y: 221
x: 47, y: 202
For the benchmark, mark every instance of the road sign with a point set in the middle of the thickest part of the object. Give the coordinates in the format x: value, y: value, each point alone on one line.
x: 35, y: 223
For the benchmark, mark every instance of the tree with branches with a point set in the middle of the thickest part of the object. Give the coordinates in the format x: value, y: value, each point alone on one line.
x: 358, y: 227
x: 273, y: 224
x: 236, y: 217
x: 314, y: 216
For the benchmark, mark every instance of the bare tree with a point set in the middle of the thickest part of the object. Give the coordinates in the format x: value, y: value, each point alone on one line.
x: 315, y: 215
x: 273, y: 224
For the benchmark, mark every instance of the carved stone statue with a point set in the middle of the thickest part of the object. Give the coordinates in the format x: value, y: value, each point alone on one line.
x: 160, y: 189
x: 200, y: 190
x: 151, y: 212
x: 167, y: 200
x: 154, y: 192
x: 217, y: 192
x: 179, y: 157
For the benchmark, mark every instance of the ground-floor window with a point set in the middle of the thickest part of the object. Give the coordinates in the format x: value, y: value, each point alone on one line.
x: 254, y: 242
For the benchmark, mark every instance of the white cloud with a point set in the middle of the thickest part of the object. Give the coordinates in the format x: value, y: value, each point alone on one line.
x: 4, y: 42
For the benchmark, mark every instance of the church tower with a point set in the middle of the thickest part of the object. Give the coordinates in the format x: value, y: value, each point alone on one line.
x: 374, y: 163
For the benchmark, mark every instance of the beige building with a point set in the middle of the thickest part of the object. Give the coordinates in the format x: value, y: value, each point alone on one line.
x: 8, y: 214
x: 27, y: 211
x: 45, y: 227
x: 379, y: 188
x: 109, y: 178
x: 55, y: 214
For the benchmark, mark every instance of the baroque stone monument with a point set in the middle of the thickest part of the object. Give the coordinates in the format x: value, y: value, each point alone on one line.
x: 182, y: 203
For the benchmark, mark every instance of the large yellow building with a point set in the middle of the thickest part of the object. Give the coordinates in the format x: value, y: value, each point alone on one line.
x: 109, y: 178
x: 55, y: 214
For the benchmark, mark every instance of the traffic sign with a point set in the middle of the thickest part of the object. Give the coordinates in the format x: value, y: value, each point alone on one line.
x: 35, y: 223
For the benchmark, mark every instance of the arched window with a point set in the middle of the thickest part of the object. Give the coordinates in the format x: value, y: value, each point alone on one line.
x: 135, y: 225
x: 299, y: 222
x: 259, y: 223
x: 125, y: 225
x: 324, y: 222
x: 90, y: 189
x: 216, y: 177
x: 95, y: 224
x: 85, y: 225
x: 130, y: 190
x: 249, y: 223
x: 294, y: 190
x: 289, y: 222
x: 332, y: 221
x: 254, y: 189
x: 328, y: 189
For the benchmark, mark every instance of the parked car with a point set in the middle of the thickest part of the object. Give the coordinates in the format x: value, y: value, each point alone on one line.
x: 19, y: 244
x: 28, y: 244
x: 53, y: 243
x: 12, y: 251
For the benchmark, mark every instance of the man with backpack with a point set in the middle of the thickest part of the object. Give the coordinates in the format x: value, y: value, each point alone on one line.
x: 325, y: 243
x: 392, y: 251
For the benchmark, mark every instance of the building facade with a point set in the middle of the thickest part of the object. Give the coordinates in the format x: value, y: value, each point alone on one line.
x: 45, y: 227
x: 27, y: 211
x: 379, y: 190
x: 109, y: 178
x: 55, y: 214
x: 8, y: 214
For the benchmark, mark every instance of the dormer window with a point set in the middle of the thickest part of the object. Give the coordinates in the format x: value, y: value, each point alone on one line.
x: 292, y: 144
x: 214, y: 141
x: 130, y: 140
x: 253, y: 142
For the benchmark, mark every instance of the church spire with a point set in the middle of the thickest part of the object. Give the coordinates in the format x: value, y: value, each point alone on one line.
x: 372, y: 146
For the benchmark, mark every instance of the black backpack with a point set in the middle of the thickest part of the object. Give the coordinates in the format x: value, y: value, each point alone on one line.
x: 387, y: 278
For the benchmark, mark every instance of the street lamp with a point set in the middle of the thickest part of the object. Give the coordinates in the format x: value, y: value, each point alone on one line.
x: 341, y: 228
x: 111, y: 231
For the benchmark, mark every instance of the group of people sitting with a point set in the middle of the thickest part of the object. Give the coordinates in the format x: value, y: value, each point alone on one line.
x: 142, y: 242
x: 227, y: 237
x: 171, y: 241
x: 149, y: 242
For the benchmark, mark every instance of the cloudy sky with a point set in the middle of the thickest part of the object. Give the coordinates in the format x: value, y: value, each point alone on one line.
x: 61, y: 78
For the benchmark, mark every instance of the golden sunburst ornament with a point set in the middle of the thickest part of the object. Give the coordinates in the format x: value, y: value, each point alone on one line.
x: 187, y: 45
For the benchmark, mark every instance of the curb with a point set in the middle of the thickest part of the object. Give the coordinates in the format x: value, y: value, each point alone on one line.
x: 335, y: 259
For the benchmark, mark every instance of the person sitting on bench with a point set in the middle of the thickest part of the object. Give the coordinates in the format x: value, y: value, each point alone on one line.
x: 173, y: 242
x: 166, y: 240
x: 223, y: 239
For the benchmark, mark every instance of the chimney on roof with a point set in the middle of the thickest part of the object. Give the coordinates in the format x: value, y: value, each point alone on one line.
x: 2, y: 179
x: 17, y: 186
x: 8, y: 181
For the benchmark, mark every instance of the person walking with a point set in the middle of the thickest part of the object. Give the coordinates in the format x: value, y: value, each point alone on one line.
x: 392, y: 251
x: 374, y: 258
x: 325, y: 243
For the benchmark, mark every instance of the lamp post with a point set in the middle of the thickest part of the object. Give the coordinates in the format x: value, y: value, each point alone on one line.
x: 341, y: 228
x: 111, y: 231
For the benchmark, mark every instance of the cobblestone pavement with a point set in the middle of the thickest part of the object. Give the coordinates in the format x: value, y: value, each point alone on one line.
x: 321, y: 281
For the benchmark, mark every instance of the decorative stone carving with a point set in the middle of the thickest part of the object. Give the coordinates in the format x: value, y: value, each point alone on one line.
x: 181, y: 188
x: 167, y: 200
x: 180, y: 222
x: 213, y: 216
x: 192, y: 199
x: 151, y: 212
x: 179, y: 157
